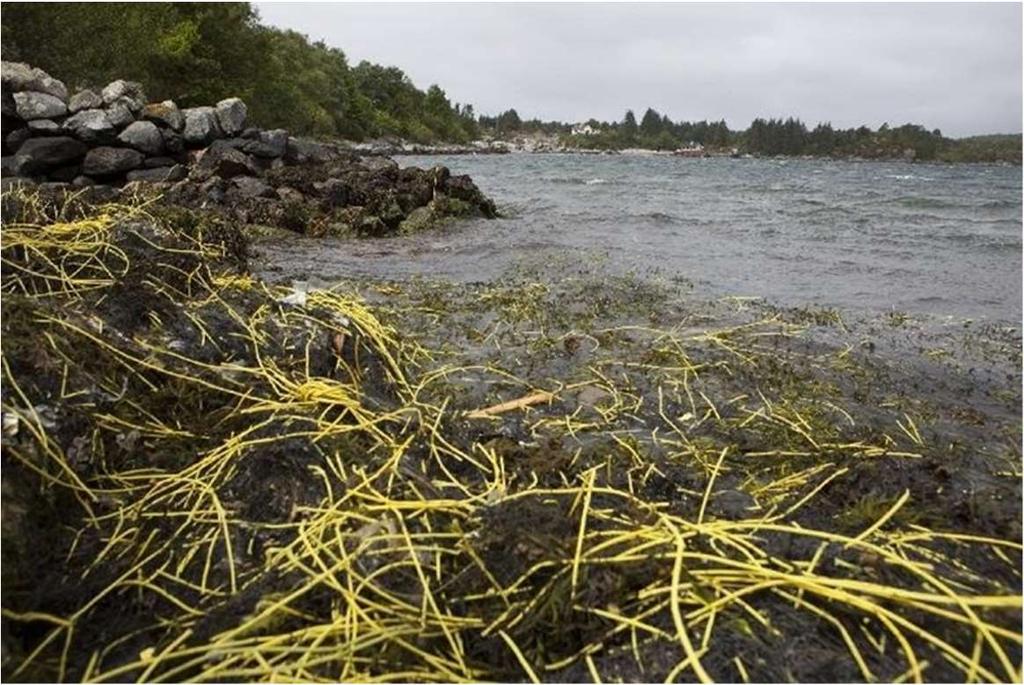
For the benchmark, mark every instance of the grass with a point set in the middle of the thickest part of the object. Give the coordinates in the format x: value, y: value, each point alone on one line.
x: 250, y: 490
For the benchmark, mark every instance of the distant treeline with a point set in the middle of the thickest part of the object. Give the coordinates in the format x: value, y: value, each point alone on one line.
x: 196, y: 53
x: 790, y: 137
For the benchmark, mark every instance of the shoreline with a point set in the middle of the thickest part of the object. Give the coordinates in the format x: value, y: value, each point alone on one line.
x: 481, y: 444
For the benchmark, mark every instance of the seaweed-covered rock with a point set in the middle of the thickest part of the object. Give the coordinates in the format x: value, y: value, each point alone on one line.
x: 167, y: 174
x: 223, y: 161
x: 35, y: 105
x: 111, y: 161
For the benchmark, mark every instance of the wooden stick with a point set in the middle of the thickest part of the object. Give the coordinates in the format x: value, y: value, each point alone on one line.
x: 535, y: 398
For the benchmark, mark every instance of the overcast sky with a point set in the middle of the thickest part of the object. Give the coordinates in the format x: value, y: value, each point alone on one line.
x: 956, y: 67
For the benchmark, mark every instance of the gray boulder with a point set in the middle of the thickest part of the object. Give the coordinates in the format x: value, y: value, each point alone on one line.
x: 90, y: 125
x: 36, y: 105
x: 143, y: 136
x: 155, y: 162
x: 201, y: 126
x: 249, y: 187
x: 231, y: 114
x: 120, y: 115
x: 14, y: 139
x: 173, y: 141
x: 86, y: 99
x: 111, y: 161
x: 266, y: 144
x: 37, y: 155
x: 164, y: 113
x: 223, y: 161
x: 82, y: 182
x: 159, y: 175
x: 128, y: 93
x: 18, y: 76
x: 44, y: 127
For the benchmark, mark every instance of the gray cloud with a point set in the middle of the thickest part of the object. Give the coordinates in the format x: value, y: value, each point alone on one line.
x: 951, y: 66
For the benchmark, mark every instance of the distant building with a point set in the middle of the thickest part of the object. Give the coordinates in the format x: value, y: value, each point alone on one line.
x: 583, y: 130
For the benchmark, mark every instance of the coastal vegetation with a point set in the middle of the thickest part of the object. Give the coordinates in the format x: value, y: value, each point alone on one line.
x: 210, y: 477
x: 201, y: 52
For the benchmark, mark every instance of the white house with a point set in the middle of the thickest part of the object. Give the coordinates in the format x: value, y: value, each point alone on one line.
x: 583, y: 130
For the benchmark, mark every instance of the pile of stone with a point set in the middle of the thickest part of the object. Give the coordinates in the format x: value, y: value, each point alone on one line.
x: 208, y: 158
x: 115, y: 134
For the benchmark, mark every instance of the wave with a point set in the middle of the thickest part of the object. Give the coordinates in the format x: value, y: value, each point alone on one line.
x: 661, y: 217
x: 909, y: 177
x: 575, y: 180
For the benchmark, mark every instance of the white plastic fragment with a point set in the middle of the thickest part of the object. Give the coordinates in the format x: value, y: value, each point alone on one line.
x: 297, y: 298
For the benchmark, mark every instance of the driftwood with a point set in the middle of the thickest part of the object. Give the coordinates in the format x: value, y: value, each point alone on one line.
x: 528, y: 400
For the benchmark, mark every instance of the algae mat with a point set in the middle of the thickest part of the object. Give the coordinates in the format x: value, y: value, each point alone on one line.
x: 208, y: 477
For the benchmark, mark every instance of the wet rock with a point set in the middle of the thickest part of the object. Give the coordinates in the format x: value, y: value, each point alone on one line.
x: 143, y: 136
x: 44, y: 127
x: 213, y: 189
x: 383, y: 165
x: 86, y: 99
x: 128, y: 93
x: 334, y: 191
x: 201, y: 126
x: 159, y: 175
x: 418, y: 219
x: 231, y: 114
x: 731, y: 504
x: 91, y: 126
x: 18, y: 76
x: 111, y: 161
x: 119, y: 115
x: 462, y: 188
x: 249, y: 187
x: 34, y: 105
x: 224, y: 161
x: 299, y: 151
x: 165, y: 114
x: 37, y: 155
x: 265, y: 144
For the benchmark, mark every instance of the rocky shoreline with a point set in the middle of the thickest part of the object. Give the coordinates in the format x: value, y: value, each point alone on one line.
x: 110, y: 141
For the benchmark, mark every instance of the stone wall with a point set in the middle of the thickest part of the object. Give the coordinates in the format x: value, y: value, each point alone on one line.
x: 115, y: 134
x: 207, y: 158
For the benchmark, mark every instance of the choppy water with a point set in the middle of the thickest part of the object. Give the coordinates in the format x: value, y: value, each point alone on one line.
x: 928, y: 239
